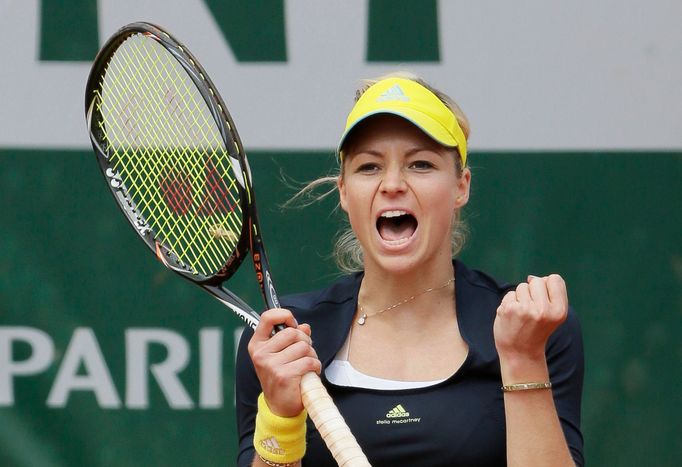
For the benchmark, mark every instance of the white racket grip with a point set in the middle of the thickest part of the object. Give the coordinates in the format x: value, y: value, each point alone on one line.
x: 330, y: 423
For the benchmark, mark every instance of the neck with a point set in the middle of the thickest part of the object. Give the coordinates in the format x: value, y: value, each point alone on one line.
x: 381, y: 289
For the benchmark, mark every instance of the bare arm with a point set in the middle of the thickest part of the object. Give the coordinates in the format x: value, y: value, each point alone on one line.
x: 534, y: 434
x: 525, y: 320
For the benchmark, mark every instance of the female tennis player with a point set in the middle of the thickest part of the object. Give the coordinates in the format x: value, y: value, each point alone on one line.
x: 431, y: 363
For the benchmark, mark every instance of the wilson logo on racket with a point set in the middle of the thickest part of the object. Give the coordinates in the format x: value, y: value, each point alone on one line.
x: 177, y: 191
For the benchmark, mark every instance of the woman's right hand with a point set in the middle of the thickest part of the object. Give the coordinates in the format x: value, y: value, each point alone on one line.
x: 282, y: 360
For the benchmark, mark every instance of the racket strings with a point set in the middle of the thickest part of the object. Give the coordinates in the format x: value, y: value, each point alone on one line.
x: 184, y: 124
x: 178, y: 185
x: 163, y: 142
x: 168, y: 136
x: 175, y: 110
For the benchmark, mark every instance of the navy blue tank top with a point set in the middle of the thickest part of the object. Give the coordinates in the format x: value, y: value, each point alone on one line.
x: 458, y: 422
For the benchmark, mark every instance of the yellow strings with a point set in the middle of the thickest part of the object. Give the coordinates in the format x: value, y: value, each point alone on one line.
x: 158, y: 126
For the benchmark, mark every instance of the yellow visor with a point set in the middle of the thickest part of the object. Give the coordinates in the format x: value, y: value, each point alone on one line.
x: 413, y: 102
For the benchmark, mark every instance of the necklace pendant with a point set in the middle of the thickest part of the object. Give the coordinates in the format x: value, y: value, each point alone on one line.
x: 362, y: 319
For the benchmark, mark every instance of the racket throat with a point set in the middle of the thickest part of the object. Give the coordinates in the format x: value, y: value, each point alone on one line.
x: 234, y: 303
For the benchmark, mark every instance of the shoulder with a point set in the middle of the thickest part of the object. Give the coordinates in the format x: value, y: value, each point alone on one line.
x: 482, y: 289
x: 477, y: 297
x: 477, y: 284
x: 340, y: 292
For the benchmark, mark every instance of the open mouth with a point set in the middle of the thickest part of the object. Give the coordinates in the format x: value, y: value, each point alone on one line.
x: 396, y: 227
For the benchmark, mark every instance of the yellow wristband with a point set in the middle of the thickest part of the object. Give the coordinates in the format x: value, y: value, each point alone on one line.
x: 279, y: 439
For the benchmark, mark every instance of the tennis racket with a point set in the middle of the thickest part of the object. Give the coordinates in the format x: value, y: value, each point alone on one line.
x: 173, y: 160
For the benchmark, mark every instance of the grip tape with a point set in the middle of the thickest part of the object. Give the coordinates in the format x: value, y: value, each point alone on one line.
x: 330, y: 423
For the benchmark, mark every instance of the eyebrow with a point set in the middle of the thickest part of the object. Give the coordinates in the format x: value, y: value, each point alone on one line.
x: 417, y: 149
x: 409, y: 152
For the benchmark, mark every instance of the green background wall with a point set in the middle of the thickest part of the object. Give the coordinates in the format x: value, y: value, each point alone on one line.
x: 609, y: 222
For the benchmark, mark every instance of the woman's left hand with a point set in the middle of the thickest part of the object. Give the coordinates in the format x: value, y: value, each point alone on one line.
x: 527, y: 317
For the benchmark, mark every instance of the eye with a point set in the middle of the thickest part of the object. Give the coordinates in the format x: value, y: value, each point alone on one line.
x: 421, y: 165
x: 367, y: 167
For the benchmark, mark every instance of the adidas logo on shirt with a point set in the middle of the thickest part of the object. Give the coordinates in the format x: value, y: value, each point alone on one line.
x: 397, y: 412
x: 394, y: 93
x: 398, y: 416
x: 271, y: 445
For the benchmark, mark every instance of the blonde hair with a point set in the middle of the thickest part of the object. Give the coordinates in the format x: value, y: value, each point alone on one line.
x: 347, y: 249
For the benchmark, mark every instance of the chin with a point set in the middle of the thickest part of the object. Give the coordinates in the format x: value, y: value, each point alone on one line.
x: 399, y: 264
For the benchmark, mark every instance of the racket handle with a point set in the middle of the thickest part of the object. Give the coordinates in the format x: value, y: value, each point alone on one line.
x: 330, y: 423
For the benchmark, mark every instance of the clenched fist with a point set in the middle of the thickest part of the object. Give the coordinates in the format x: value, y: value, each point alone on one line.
x: 527, y: 317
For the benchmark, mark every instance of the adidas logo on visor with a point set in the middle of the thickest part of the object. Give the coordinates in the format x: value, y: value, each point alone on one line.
x: 394, y: 93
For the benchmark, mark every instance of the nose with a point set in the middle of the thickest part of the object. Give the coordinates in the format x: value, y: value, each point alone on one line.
x: 393, y: 180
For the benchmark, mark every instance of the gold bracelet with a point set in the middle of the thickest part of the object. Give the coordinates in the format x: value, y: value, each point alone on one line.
x: 526, y: 386
x: 276, y: 464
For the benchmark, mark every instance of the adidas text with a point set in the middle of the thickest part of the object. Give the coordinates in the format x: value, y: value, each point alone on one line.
x: 398, y: 415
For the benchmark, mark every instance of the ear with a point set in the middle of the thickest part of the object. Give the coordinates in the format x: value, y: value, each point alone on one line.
x: 462, y: 188
x: 341, y: 185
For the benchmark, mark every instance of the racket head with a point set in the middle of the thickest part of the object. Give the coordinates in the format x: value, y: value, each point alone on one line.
x: 170, y: 153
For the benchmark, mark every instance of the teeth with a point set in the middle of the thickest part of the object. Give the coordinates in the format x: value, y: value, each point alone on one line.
x: 400, y: 241
x: 393, y: 213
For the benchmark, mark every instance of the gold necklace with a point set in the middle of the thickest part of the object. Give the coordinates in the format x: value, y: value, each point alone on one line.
x: 364, y: 316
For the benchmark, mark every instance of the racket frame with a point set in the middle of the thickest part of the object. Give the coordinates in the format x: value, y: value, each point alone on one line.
x: 321, y: 408
x: 250, y: 238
